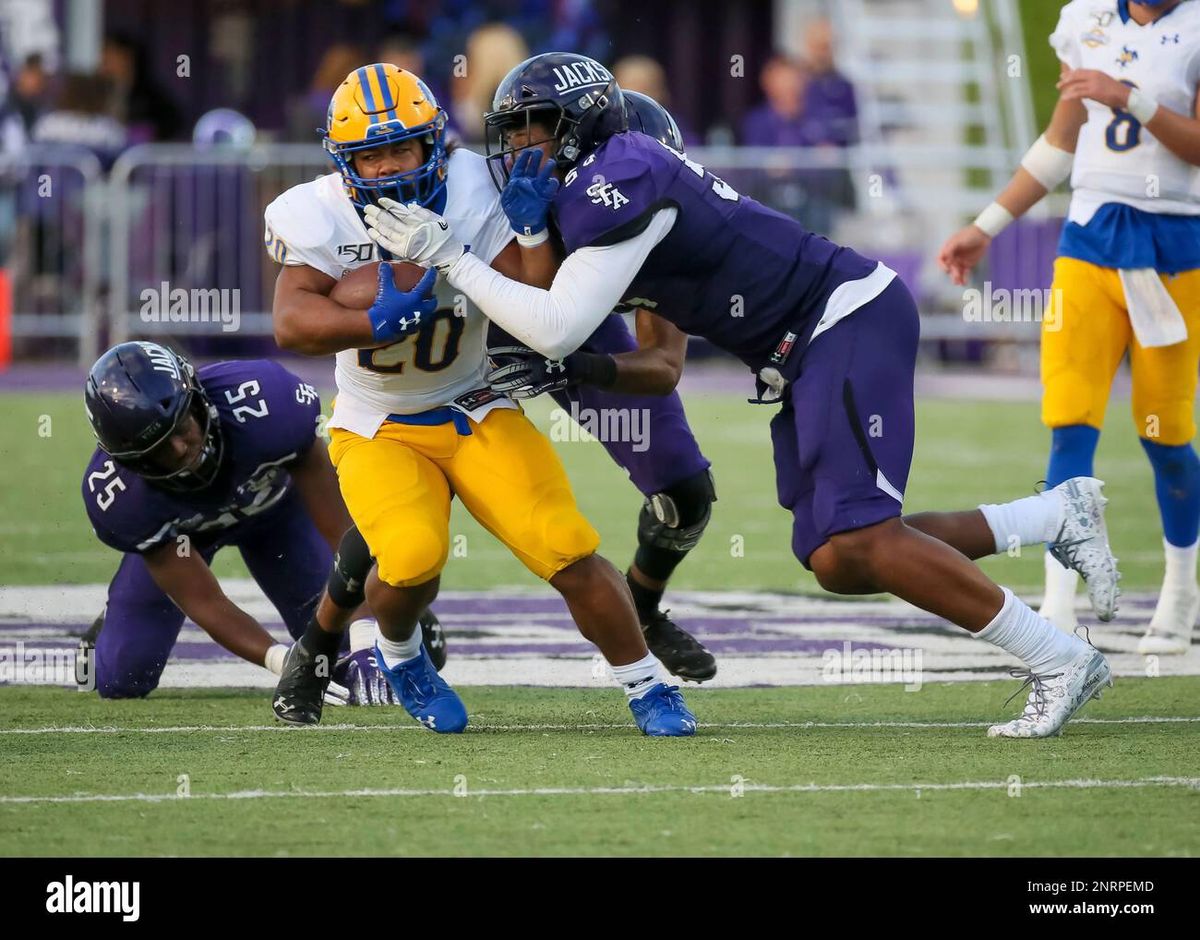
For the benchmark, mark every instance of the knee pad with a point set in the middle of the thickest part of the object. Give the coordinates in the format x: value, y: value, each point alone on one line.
x: 412, y: 556
x: 676, y: 518
x: 671, y: 523
x: 351, y: 565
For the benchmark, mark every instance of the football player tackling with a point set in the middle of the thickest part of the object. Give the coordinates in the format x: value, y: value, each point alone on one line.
x: 414, y: 421
x: 670, y: 471
x: 831, y: 335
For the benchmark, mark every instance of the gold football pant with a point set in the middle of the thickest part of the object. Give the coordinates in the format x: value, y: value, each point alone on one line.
x: 398, y: 484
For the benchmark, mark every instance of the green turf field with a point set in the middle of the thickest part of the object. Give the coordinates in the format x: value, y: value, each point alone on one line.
x: 821, y: 769
x: 967, y: 453
x: 557, y: 772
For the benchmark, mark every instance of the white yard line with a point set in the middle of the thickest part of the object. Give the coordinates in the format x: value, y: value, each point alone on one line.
x: 1192, y: 783
x: 410, y: 726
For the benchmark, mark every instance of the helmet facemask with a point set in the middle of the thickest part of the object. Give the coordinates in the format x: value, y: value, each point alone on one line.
x: 498, y: 125
x: 422, y: 185
x: 567, y: 134
x: 202, y: 472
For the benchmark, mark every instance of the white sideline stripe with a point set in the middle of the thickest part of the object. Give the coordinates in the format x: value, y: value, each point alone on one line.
x: 1192, y: 783
x: 186, y: 729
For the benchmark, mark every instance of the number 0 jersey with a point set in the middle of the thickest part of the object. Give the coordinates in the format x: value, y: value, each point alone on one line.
x: 1117, y: 159
x: 316, y: 224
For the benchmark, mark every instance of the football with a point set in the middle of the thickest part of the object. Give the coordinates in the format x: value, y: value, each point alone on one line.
x: 358, y: 287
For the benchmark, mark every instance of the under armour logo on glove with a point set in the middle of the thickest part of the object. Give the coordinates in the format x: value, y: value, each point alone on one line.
x: 520, y: 372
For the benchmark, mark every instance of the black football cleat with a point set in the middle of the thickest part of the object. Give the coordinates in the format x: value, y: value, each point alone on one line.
x: 434, y: 638
x: 678, y: 650
x: 300, y: 694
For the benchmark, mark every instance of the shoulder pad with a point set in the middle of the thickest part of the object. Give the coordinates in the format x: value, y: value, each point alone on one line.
x: 300, y: 218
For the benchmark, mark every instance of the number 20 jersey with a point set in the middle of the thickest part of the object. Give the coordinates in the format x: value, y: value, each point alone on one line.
x: 1116, y: 159
x: 316, y: 224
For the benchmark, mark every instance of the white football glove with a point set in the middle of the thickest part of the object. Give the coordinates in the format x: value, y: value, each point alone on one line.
x: 337, y: 694
x: 413, y: 233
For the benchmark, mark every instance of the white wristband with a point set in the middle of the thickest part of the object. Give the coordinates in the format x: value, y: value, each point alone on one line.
x: 274, y: 658
x: 1141, y: 106
x: 994, y: 219
x: 532, y: 241
x: 1047, y: 164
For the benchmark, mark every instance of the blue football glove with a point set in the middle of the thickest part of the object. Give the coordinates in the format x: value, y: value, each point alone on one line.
x: 396, y: 313
x: 527, y: 197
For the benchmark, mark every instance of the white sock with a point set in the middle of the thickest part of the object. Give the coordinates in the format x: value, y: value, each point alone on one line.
x: 1024, y: 521
x: 638, y: 678
x: 275, y: 657
x: 395, y: 652
x: 1033, y: 640
x: 1181, y: 566
x: 1061, y: 584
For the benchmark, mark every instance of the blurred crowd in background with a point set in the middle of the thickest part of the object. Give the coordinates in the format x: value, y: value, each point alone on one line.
x: 233, y: 73
x: 268, y: 67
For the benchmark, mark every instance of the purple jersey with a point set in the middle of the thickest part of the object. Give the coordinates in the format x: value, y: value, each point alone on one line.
x: 731, y: 270
x: 268, y: 419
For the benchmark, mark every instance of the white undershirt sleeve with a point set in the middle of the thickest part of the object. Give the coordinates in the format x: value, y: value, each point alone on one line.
x: 589, y: 284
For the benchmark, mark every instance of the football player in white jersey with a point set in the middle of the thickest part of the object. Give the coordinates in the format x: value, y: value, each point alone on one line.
x: 414, y: 421
x: 1126, y: 129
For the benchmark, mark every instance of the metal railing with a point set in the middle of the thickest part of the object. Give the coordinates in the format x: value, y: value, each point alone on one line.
x: 52, y: 225
x: 173, y: 217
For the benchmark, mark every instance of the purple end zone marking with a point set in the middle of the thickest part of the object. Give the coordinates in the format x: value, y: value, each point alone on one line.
x: 508, y: 606
x: 459, y: 645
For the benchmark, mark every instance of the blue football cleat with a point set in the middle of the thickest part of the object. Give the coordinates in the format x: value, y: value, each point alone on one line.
x: 661, y: 712
x: 424, y: 694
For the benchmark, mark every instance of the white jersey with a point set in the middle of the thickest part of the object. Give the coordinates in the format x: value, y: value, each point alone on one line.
x: 315, y: 224
x: 1117, y: 159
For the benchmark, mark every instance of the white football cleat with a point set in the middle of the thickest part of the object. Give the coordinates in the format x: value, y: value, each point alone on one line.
x: 1082, y: 542
x: 1055, y: 698
x: 1058, y: 603
x: 1170, y: 629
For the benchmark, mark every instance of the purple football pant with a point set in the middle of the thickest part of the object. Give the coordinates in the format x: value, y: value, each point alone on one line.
x: 285, y: 554
x: 843, y: 439
x: 669, y: 453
